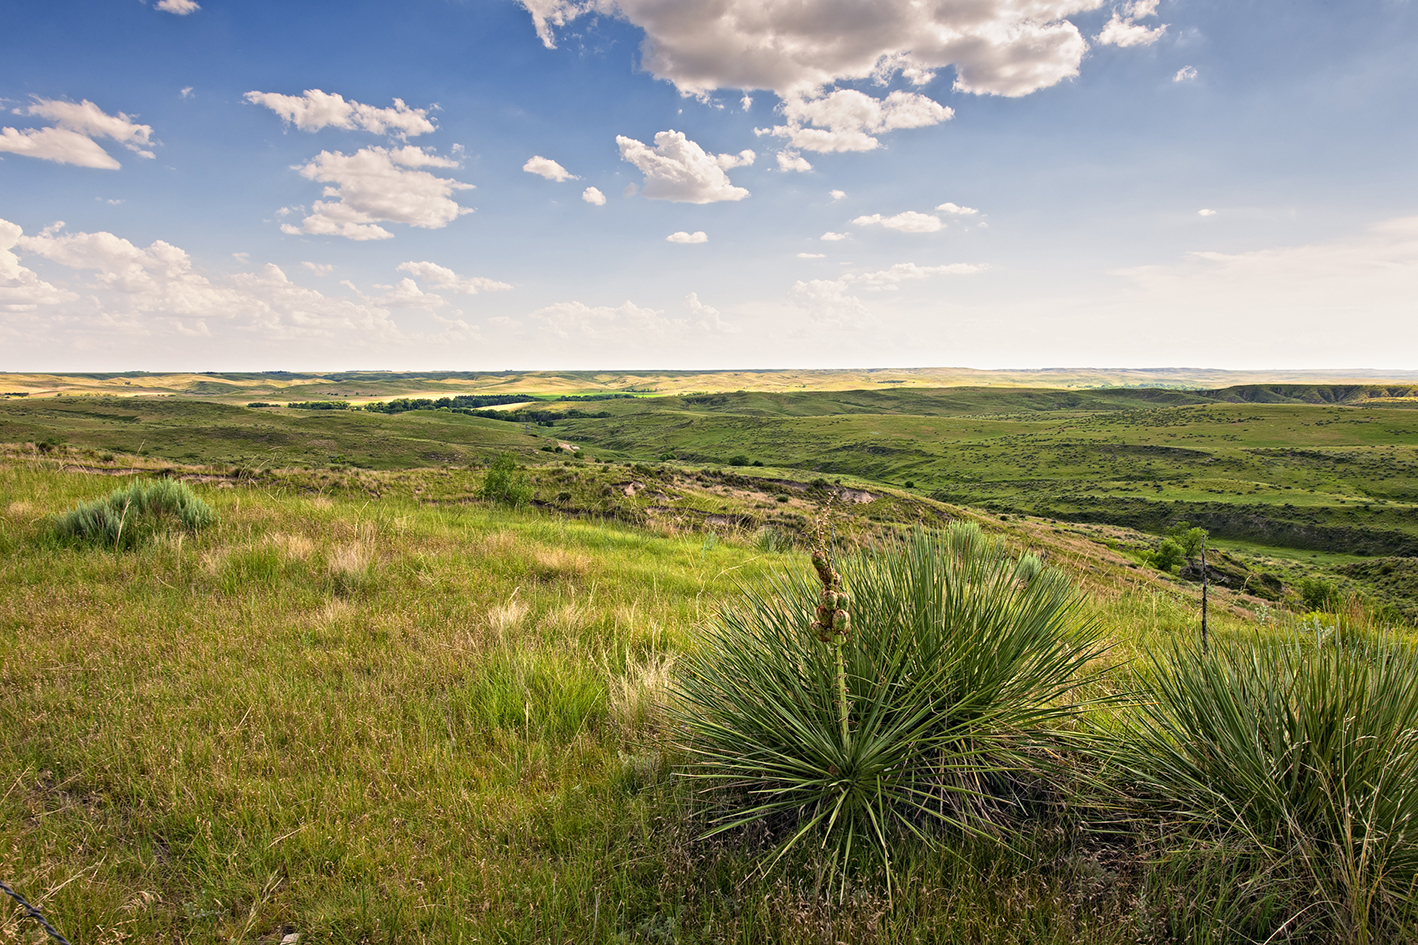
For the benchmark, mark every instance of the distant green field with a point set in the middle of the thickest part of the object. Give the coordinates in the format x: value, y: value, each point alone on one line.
x: 1311, y: 476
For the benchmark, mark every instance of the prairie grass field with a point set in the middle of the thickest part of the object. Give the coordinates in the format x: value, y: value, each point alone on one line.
x: 369, y: 704
x: 1297, y: 478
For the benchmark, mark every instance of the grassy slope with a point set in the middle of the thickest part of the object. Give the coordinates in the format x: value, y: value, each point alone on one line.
x: 1324, y: 478
x: 400, y: 719
x: 1279, y: 480
x: 221, y: 433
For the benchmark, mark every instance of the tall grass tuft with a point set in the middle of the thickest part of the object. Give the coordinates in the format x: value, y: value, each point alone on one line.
x: 128, y: 516
x: 1305, y: 754
x: 956, y: 659
x: 350, y: 567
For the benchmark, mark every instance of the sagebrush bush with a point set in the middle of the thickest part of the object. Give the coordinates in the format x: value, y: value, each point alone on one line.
x: 129, y: 515
x: 952, y: 664
x: 1304, y: 754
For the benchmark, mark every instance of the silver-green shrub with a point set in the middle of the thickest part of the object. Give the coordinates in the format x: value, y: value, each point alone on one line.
x: 129, y: 515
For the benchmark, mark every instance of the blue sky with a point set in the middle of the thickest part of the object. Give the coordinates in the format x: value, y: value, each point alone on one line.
x: 1225, y: 183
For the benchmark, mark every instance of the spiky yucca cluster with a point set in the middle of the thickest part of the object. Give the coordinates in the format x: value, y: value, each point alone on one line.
x: 947, y: 670
x: 1302, y: 755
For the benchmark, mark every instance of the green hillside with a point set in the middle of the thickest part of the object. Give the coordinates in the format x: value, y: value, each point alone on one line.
x: 369, y: 704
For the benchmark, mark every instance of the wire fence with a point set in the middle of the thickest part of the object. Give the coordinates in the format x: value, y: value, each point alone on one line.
x: 34, y: 913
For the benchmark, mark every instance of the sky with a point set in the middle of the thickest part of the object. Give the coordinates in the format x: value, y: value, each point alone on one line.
x: 212, y: 185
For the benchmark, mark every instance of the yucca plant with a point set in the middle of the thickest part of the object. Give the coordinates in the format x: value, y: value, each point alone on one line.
x: 126, y: 516
x: 886, y: 698
x: 1303, y: 752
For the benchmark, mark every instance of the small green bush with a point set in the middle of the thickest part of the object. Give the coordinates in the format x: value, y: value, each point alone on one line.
x: 1168, y: 556
x: 1188, y: 539
x: 1304, y: 757
x: 504, y: 484
x: 1318, y: 594
x: 954, y: 660
x: 128, y: 516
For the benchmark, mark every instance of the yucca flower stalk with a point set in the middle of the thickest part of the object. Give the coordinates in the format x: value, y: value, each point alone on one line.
x: 832, y: 625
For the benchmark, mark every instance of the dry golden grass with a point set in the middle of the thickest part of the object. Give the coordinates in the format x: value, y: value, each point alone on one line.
x: 504, y: 618
x: 351, y: 561
x: 639, y: 695
x: 294, y: 546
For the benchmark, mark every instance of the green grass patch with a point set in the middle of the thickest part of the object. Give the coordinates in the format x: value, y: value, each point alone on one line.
x: 1299, y: 758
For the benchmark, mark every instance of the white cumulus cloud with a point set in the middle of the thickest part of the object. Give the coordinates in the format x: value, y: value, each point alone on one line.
x: 1124, y: 30
x: 21, y: 289
x: 1206, y: 213
x: 889, y: 279
x: 180, y: 7
x: 58, y: 145
x: 680, y: 170
x: 440, y: 277
x: 549, y: 13
x: 406, y: 294
x: 812, y: 255
x: 848, y: 120
x: 698, y: 236
x: 576, y: 320
x: 320, y: 269
x: 376, y: 185
x: 837, y: 194
x: 315, y: 109
x: 1184, y: 74
x: 158, y: 289
x: 956, y: 210
x: 706, y: 317
x: 908, y: 222
x: 997, y: 47
x: 831, y: 237
x: 792, y: 161
x: 829, y: 303
x: 546, y: 167
x: 593, y: 196
x: 70, y: 139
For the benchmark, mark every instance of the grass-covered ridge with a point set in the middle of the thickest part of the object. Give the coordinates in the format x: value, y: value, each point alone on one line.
x: 238, y: 387
x: 1291, y: 488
